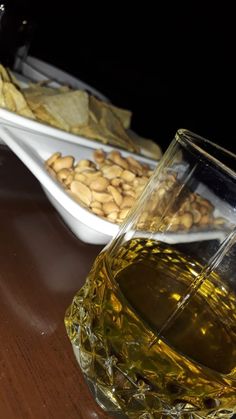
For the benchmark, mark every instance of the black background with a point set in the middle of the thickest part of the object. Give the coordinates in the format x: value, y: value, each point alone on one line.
x: 173, y: 66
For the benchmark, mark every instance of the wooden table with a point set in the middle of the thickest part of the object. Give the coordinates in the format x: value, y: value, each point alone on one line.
x: 42, y: 264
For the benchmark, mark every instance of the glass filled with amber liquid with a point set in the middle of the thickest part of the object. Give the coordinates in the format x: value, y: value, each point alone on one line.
x: 154, y: 326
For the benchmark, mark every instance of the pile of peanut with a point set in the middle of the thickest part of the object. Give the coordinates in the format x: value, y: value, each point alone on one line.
x: 110, y: 185
x: 173, y: 208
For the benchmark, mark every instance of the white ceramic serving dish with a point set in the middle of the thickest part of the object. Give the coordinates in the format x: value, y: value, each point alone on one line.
x: 34, y: 147
x: 37, y: 71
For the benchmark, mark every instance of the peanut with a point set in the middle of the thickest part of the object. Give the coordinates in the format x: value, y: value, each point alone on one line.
x: 96, y: 204
x: 68, y: 180
x: 123, y: 213
x: 63, y: 174
x: 126, y: 187
x: 196, y: 216
x: 63, y: 163
x: 109, y: 207
x: 100, y: 184
x: 82, y: 191
x: 53, y: 158
x: 99, y: 156
x: 219, y: 221
x: 161, y: 192
x: 83, y: 163
x: 84, y: 169
x: 116, y: 182
x: 115, y: 194
x: 98, y: 211
x: 102, y: 197
x: 205, y: 219
x: 134, y: 163
x: 186, y: 220
x: 128, y: 201
x: 91, y: 176
x: 80, y: 177
x: 130, y: 192
x: 111, y: 172
x: 112, y: 216
x: 128, y: 176
x: 115, y: 156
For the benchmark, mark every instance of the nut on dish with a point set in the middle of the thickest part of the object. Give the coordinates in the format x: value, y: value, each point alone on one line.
x: 110, y: 184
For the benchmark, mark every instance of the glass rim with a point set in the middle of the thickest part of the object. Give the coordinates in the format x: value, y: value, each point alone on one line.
x: 186, y: 137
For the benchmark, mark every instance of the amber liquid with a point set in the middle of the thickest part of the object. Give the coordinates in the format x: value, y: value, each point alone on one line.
x: 153, y: 343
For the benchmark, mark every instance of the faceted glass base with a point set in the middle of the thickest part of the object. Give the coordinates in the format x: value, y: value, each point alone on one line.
x: 99, y: 396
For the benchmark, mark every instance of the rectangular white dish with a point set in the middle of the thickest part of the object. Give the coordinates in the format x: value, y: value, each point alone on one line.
x: 33, y: 148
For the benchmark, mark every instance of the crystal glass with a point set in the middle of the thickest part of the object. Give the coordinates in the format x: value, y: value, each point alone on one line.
x: 154, y: 326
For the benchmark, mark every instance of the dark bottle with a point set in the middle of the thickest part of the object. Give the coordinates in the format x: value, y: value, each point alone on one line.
x: 16, y: 29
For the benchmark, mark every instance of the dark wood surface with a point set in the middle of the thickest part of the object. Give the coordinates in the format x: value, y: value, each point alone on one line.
x: 42, y: 264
